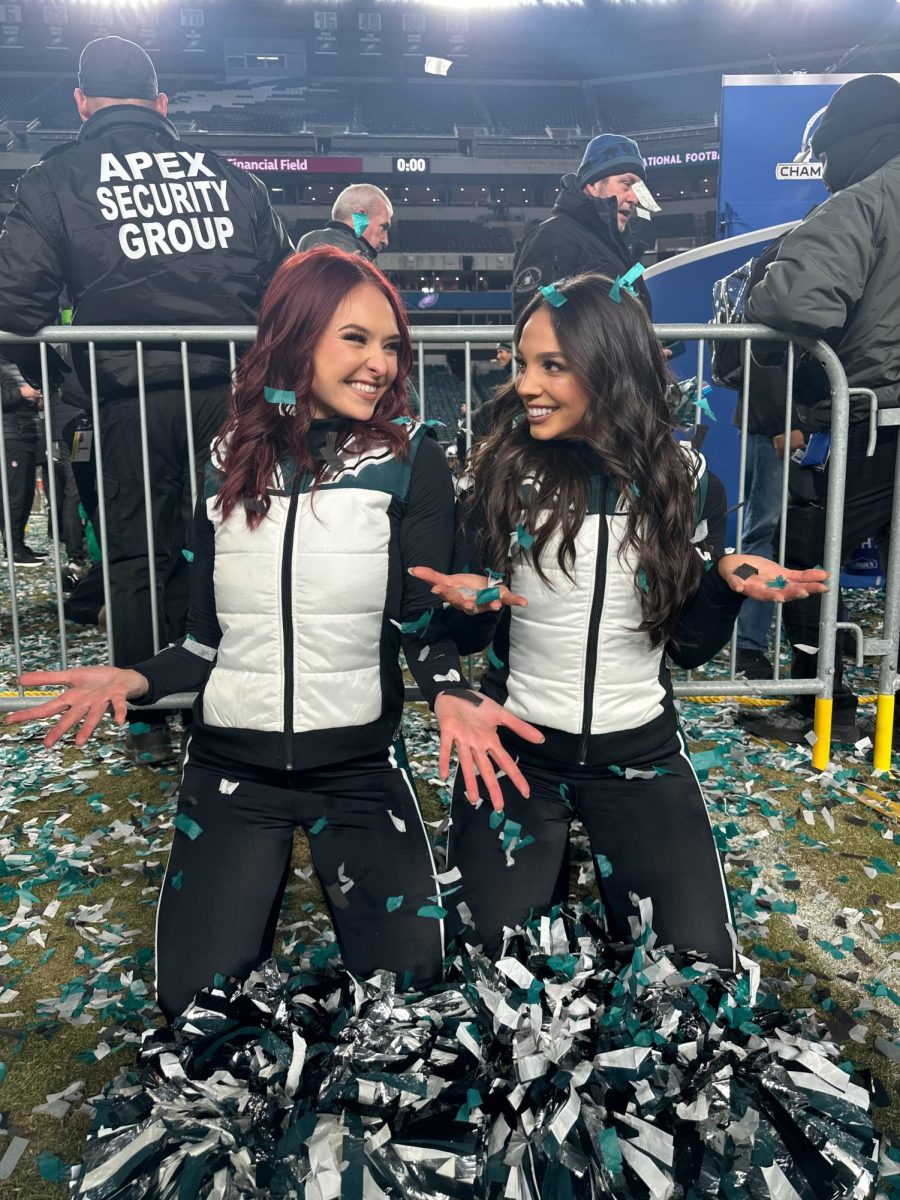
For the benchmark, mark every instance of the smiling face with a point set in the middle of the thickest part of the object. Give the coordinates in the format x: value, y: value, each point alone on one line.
x: 355, y: 360
x: 621, y: 189
x: 555, y: 401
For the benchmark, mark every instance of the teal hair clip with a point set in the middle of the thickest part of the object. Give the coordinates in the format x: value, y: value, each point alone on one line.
x: 360, y: 223
x: 553, y: 295
x: 280, y: 396
x: 626, y: 281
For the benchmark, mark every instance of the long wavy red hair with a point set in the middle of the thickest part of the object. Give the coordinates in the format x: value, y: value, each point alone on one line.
x: 295, y: 312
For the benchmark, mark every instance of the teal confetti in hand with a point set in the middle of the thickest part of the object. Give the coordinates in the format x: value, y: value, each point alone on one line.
x: 360, y: 223
x: 703, y: 405
x: 553, y: 295
x: 779, y: 583
x: 177, y: 880
x: 393, y: 903
x: 188, y: 826
x: 487, y: 595
x: 523, y: 537
x: 497, y: 819
x: 432, y: 910
x: 492, y: 658
x: 318, y: 826
x: 279, y: 396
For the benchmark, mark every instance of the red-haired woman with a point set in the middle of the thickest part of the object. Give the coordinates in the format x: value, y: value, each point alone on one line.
x: 321, y: 493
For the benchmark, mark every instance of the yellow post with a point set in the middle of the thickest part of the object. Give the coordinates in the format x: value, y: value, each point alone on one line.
x: 821, y: 751
x: 884, y: 731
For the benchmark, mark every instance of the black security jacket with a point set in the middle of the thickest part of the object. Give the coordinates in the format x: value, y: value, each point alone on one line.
x: 141, y: 229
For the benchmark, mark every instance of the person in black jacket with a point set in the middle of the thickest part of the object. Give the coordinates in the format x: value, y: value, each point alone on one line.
x: 322, y: 492
x: 140, y: 228
x: 588, y: 230
x: 589, y: 510
x: 835, y: 278
x: 20, y: 403
x: 360, y: 223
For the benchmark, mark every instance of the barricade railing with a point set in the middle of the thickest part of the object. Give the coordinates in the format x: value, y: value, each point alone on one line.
x: 439, y: 338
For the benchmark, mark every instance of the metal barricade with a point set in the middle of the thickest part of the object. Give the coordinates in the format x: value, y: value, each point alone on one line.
x: 444, y: 337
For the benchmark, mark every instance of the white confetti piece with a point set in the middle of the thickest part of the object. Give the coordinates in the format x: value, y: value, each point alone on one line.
x: 452, y: 676
x: 228, y: 786
x: 399, y: 823
x: 437, y: 66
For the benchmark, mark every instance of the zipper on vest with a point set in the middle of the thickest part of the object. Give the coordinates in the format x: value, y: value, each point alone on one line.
x: 590, y: 674
x: 287, y: 622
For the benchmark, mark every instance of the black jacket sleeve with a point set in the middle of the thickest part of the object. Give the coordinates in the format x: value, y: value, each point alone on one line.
x: 186, y: 665
x: 542, y: 258
x: 32, y: 257
x: 272, y: 242
x: 705, y: 623
x: 426, y: 540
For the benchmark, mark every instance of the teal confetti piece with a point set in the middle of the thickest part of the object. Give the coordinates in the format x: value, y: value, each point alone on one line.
x: 318, y: 826
x: 139, y: 727
x: 604, y: 866
x: 708, y: 565
x: 662, y: 770
x: 487, y: 595
x: 882, y: 867
x: 401, y: 421
x: 279, y: 396
x: 616, y: 770
x: 625, y: 282
x: 52, y: 1168
x: 188, y: 826
x: 420, y: 624
x: 564, y: 792
x: 523, y: 537
x: 219, y: 981
x: 393, y: 903
x: 778, y: 583
x: 473, y: 1101
x: 642, y: 580
x: 610, y: 1151
x: 2, y: 1071
x: 497, y: 819
x: 492, y: 658
x: 553, y: 295
x: 189, y: 555
x: 177, y: 880
x: 703, y: 405
x: 360, y: 223
x: 635, y: 490
x: 434, y: 423
x: 432, y: 910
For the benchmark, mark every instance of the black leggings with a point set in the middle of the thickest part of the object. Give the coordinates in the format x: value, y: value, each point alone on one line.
x: 222, y: 890
x: 653, y: 837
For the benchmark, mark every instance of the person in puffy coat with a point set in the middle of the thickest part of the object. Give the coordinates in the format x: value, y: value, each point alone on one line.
x: 835, y: 278
x: 139, y: 228
x: 590, y: 510
x: 321, y: 493
x: 19, y: 402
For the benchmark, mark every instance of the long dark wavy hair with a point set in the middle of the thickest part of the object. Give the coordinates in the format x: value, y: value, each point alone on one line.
x: 613, y: 353
x: 295, y: 311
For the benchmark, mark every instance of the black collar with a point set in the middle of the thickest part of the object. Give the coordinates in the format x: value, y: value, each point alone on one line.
x: 118, y: 116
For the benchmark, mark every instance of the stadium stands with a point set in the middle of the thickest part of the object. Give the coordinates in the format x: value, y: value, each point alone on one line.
x: 443, y: 397
x: 675, y: 104
x: 460, y: 237
x: 487, y: 383
x: 417, y: 109
x: 522, y: 110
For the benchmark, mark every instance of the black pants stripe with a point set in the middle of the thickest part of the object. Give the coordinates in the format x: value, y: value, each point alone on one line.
x: 655, y: 834
x: 223, y: 889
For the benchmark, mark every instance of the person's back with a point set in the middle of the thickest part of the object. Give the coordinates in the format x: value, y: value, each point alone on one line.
x: 143, y: 229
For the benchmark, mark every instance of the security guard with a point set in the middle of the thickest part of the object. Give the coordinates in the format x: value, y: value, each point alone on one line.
x: 141, y: 229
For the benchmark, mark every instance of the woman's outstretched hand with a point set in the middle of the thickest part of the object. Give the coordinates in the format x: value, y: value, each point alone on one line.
x: 461, y: 591
x: 759, y: 578
x: 469, y: 721
x: 90, y: 691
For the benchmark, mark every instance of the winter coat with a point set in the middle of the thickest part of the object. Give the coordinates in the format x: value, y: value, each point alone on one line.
x: 580, y: 236
x: 141, y: 229
x: 20, y: 425
x: 336, y: 233
x: 835, y: 278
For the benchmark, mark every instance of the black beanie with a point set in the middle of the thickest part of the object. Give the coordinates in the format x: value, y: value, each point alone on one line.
x: 118, y: 69
x: 855, y: 108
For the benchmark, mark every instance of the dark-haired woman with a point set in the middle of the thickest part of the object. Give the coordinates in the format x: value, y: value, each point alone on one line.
x: 583, y: 501
x: 321, y: 493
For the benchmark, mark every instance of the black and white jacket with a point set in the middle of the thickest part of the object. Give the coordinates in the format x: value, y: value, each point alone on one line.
x: 295, y: 627
x: 573, y: 662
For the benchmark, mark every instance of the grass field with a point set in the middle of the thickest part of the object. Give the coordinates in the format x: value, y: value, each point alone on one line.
x: 813, y: 864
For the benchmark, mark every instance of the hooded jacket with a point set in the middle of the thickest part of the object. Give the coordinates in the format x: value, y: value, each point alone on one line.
x: 141, y: 229
x: 580, y: 236
x: 336, y: 233
x: 835, y: 278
